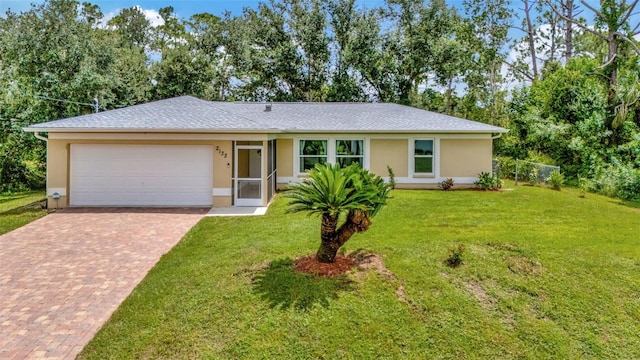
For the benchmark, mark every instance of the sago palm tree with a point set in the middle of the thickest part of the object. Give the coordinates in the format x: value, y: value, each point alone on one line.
x: 331, y: 191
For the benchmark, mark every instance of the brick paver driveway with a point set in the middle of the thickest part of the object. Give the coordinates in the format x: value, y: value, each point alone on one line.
x: 62, y: 276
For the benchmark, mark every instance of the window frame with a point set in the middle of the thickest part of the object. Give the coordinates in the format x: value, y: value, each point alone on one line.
x: 300, y: 156
x: 415, y: 156
x: 339, y: 156
x: 331, y: 156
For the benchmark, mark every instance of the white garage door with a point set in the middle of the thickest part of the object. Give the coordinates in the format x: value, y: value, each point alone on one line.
x: 140, y: 175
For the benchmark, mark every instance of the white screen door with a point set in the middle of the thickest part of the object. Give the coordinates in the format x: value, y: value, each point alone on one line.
x: 248, y: 175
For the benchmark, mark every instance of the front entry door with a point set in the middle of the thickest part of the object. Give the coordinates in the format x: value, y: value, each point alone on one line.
x: 248, y: 175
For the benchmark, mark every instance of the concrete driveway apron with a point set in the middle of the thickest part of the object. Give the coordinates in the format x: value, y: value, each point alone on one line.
x: 62, y: 276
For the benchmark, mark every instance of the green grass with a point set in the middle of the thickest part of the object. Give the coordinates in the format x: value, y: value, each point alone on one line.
x: 546, y: 274
x: 19, y: 209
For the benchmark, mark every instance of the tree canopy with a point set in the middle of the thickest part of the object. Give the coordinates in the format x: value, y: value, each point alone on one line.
x: 562, y: 75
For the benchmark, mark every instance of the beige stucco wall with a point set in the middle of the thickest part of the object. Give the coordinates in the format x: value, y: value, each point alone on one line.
x: 284, y: 158
x: 57, y: 170
x: 58, y: 159
x: 465, y: 158
x: 456, y: 158
x: 392, y: 152
x: 222, y: 170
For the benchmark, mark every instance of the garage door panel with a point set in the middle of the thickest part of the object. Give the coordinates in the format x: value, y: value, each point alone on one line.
x: 141, y: 175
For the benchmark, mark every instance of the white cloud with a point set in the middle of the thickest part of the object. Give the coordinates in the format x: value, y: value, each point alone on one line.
x: 152, y: 15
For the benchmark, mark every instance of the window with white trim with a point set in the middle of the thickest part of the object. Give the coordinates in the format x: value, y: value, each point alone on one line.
x: 349, y: 152
x: 312, y: 152
x: 423, y: 156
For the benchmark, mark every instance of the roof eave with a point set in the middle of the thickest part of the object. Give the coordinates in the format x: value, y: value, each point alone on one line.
x: 144, y: 130
x: 450, y: 131
x: 259, y: 131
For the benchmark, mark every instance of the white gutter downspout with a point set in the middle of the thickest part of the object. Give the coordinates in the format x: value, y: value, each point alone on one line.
x: 46, y: 140
x: 496, y: 136
x: 38, y: 136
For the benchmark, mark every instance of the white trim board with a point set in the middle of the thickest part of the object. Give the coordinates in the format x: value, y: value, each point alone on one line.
x: 222, y: 192
x: 399, y: 180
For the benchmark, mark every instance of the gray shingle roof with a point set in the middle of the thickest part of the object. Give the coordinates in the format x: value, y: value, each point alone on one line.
x: 189, y: 114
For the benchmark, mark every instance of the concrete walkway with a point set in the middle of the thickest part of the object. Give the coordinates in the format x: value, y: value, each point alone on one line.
x: 62, y: 276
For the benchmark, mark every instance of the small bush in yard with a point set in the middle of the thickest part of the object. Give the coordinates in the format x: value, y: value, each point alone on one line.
x: 507, y: 167
x: 446, y: 184
x: 583, y: 184
x: 487, y: 181
x: 556, y: 180
x: 534, y: 178
x: 455, y: 256
x: 392, y: 177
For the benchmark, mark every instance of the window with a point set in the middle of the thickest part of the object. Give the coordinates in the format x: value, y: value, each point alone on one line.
x: 334, y: 150
x: 349, y: 152
x: 423, y: 157
x: 311, y: 153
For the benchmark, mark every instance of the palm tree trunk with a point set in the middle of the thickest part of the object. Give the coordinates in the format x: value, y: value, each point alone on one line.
x: 332, y: 241
x: 328, y: 249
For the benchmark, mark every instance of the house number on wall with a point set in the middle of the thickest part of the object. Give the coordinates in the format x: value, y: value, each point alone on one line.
x: 222, y: 153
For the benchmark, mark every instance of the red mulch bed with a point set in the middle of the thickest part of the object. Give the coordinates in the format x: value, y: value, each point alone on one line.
x: 309, y: 265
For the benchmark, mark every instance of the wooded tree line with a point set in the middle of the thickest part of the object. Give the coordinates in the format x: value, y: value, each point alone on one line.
x: 567, y: 88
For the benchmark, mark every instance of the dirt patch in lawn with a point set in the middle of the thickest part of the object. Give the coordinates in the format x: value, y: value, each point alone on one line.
x: 309, y: 265
x: 368, y: 261
x: 356, y: 260
x: 523, y: 265
x: 359, y: 260
x: 480, y: 293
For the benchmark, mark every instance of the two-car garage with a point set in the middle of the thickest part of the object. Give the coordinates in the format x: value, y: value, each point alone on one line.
x: 140, y: 175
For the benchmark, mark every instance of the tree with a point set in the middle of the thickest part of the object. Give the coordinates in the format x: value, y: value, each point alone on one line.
x: 370, y: 57
x: 54, y: 60
x: 332, y: 191
x: 344, y: 85
x: 266, y: 60
x: 613, y: 27
x: 486, y: 31
x: 306, y: 22
x: 208, y: 41
x: 419, y: 32
x: 521, y: 68
x: 183, y: 68
x: 452, y: 62
x: 133, y: 27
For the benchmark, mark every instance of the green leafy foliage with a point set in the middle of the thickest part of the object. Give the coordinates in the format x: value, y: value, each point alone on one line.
x: 556, y: 180
x: 392, y: 177
x: 565, y: 119
x: 534, y: 176
x: 618, y: 180
x: 455, y: 256
x: 507, y: 167
x: 331, y: 192
x: 331, y: 189
x: 583, y: 185
x: 487, y: 181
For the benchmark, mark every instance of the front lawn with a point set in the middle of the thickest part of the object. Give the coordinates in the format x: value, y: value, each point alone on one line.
x: 19, y: 209
x: 546, y: 274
